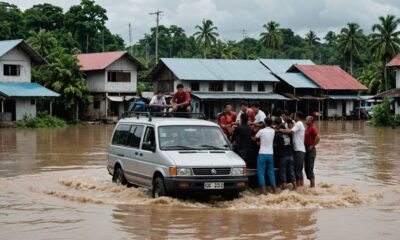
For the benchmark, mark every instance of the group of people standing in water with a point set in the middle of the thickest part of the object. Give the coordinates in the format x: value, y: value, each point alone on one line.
x: 269, y: 143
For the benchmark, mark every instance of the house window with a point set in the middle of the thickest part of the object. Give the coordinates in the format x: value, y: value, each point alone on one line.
x: 11, y: 70
x: 261, y: 87
x: 118, y: 76
x: 195, y: 86
x: 96, y: 104
x: 33, y: 102
x: 230, y: 86
x: 247, y: 86
x: 216, y: 86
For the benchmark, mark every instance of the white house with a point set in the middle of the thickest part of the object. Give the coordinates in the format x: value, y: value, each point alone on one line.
x: 213, y: 82
x: 112, y: 80
x: 17, y: 93
x: 395, y: 92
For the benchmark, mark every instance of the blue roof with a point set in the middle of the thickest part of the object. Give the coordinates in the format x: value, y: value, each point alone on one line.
x: 238, y: 95
x: 8, y: 45
x: 282, y: 65
x: 12, y: 89
x: 297, y: 80
x: 217, y: 69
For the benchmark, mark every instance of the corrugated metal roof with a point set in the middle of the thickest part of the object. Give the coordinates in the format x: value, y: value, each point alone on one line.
x: 395, y: 62
x: 330, y: 77
x: 8, y: 45
x: 216, y: 69
x: 12, y: 89
x: 297, y: 80
x: 344, y: 97
x: 233, y: 95
x: 395, y: 92
x: 99, y: 61
x: 282, y: 65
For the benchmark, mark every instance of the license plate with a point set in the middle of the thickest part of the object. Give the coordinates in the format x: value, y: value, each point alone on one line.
x: 214, y: 185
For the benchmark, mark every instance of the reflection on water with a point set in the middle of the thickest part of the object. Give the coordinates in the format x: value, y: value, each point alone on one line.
x: 54, y: 185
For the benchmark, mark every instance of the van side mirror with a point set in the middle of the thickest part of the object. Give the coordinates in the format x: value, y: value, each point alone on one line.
x: 148, y: 146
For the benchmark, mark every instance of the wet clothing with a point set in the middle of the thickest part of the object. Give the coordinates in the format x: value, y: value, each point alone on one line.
x: 259, y: 117
x: 298, y: 164
x: 310, y: 134
x: 298, y: 137
x: 266, y: 136
x: 265, y: 162
x: 182, y: 97
x: 243, y: 143
x: 285, y: 155
x: 309, y: 163
x: 227, y: 118
x: 250, y: 114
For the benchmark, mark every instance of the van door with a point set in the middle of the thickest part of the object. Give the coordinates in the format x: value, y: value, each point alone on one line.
x: 118, y: 150
x: 148, y: 161
x: 134, y: 139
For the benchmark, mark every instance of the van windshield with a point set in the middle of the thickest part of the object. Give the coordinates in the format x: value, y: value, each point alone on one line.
x: 192, y: 138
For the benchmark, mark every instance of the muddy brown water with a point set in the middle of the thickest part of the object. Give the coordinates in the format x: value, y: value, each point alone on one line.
x: 54, y: 185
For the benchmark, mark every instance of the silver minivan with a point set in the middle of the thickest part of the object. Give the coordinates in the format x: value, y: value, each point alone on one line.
x: 175, y: 156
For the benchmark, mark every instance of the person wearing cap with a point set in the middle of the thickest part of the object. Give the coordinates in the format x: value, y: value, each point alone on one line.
x: 180, y: 100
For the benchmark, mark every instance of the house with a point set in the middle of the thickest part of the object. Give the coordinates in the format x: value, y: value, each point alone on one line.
x: 112, y: 80
x: 339, y: 88
x: 213, y: 82
x: 395, y: 92
x: 18, y: 94
x: 295, y: 85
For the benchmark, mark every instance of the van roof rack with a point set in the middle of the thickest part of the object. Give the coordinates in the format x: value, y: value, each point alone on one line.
x: 150, y: 115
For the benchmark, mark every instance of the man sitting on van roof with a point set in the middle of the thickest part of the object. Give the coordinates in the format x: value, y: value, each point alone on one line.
x: 180, y: 101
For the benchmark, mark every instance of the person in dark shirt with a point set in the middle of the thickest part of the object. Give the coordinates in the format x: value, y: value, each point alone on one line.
x: 283, y: 144
x: 242, y: 138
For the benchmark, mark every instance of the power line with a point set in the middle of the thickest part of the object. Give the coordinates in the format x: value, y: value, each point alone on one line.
x: 157, y: 13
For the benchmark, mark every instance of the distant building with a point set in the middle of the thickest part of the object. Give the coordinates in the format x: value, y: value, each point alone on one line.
x: 213, y: 82
x: 112, y: 80
x: 17, y: 93
x: 395, y: 92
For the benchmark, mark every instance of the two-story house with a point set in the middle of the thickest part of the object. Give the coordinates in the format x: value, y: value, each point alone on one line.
x: 213, y: 82
x: 17, y: 93
x: 112, y: 80
x: 394, y: 93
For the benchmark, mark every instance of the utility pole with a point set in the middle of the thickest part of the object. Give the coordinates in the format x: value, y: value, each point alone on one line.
x: 130, y: 39
x: 244, y: 33
x: 147, y: 53
x: 102, y: 38
x: 157, y: 13
x: 87, y: 43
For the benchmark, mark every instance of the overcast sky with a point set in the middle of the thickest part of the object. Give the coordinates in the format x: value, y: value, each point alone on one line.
x: 232, y: 16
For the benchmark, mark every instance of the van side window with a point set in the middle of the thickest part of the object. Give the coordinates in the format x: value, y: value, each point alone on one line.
x: 135, y: 135
x: 121, y: 134
x: 149, y: 136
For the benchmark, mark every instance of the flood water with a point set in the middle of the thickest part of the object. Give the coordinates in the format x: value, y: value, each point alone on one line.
x: 54, y: 185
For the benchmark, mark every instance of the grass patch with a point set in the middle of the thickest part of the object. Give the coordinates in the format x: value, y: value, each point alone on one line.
x: 42, y: 120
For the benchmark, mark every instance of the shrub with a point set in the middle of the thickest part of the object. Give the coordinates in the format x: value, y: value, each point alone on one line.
x: 382, y: 117
x: 42, y: 120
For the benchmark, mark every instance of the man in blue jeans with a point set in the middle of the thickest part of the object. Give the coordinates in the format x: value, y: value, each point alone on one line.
x: 265, y: 160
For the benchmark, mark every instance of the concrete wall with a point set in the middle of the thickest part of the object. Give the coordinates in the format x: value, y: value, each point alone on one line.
x: 24, y: 107
x: 16, y: 57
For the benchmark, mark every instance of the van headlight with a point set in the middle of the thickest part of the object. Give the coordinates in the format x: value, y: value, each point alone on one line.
x: 184, y: 172
x: 238, y: 171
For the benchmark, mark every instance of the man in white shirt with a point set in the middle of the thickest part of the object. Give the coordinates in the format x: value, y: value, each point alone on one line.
x: 265, y: 160
x: 158, y: 103
x: 259, y: 115
x: 298, y: 131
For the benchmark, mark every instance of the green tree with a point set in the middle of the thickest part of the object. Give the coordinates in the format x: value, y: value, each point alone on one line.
x: 311, y: 38
x: 42, y: 42
x: 206, y: 36
x: 385, y: 40
x: 373, y: 77
x: 350, y: 41
x: 44, y: 16
x: 11, y: 22
x: 273, y: 37
x: 330, y: 38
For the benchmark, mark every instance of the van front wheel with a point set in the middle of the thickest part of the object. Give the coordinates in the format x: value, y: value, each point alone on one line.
x: 119, y: 177
x: 159, y: 188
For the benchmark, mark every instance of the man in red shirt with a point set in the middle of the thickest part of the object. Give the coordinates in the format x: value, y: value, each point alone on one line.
x: 180, y: 101
x: 227, y: 120
x: 245, y: 109
x: 311, y: 139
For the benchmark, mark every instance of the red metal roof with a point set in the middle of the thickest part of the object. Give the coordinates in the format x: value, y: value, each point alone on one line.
x: 395, y: 62
x: 330, y: 77
x: 99, y: 61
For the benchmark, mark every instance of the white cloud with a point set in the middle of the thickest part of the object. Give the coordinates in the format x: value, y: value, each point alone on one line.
x: 231, y: 16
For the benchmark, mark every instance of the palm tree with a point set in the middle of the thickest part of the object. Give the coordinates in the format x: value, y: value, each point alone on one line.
x: 372, y: 76
x: 350, y: 41
x: 273, y: 37
x: 330, y: 38
x: 385, y: 40
x: 206, y: 36
x: 312, y: 38
x: 42, y: 42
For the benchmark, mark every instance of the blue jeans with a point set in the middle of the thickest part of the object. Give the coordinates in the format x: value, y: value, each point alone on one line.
x: 287, y: 169
x: 265, y: 162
